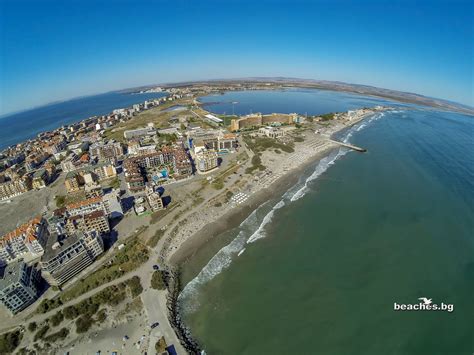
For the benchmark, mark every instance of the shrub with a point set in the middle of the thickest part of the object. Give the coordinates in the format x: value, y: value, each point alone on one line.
x: 160, y: 345
x: 70, y: 312
x: 32, y: 326
x: 83, y: 323
x: 157, y: 280
x: 135, y: 286
x: 10, y: 341
x: 56, y: 319
x: 47, y: 305
x: 60, y: 335
x: 60, y: 200
x: 41, y: 332
x: 101, y: 316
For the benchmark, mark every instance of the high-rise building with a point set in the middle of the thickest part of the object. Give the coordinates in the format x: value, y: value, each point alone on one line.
x: 65, y: 257
x: 18, y: 285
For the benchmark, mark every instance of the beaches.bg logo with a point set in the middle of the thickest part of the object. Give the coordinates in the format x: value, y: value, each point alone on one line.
x: 426, y: 304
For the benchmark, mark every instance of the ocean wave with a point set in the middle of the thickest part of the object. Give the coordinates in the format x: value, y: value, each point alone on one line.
x: 218, y: 262
x: 322, y: 166
x: 326, y: 162
x: 260, y: 232
x: 187, y: 302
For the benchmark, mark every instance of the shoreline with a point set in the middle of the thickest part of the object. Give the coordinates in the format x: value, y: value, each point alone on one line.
x: 184, y: 251
x: 234, y: 217
x: 231, y: 219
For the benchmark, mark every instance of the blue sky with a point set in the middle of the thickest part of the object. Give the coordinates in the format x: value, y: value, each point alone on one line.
x: 55, y: 50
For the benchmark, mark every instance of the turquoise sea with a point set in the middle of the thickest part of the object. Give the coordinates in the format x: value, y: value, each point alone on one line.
x: 322, y: 264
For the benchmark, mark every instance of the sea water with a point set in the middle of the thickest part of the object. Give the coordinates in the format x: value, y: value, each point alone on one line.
x: 325, y: 261
x: 18, y: 127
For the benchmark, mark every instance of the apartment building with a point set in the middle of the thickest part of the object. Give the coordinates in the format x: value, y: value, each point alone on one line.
x: 93, y: 221
x: 18, y: 286
x: 88, y: 175
x: 65, y: 257
x: 40, y: 179
x: 109, y: 152
x: 139, y: 132
x: 206, y: 160
x: 85, y: 207
x: 154, y: 198
x: 26, y: 242
x: 15, y: 187
x: 112, y: 204
x: 73, y: 182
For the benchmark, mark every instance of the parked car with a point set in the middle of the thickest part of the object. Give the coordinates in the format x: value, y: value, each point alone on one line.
x: 154, y: 325
x: 156, y: 267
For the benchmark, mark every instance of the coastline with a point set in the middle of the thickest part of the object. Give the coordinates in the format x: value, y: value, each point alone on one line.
x: 231, y: 218
x: 237, y: 215
x: 200, y: 238
x: 182, y: 252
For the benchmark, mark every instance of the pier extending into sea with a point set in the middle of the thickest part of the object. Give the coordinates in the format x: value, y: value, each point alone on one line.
x: 351, y: 146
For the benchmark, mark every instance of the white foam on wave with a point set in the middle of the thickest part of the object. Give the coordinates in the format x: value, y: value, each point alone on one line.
x: 322, y: 166
x: 326, y: 162
x: 219, y: 262
x: 260, y: 232
x: 224, y: 257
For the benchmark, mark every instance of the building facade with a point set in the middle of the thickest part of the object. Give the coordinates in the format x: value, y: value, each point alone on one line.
x: 206, y: 160
x: 18, y: 286
x: 65, y: 258
x: 26, y: 241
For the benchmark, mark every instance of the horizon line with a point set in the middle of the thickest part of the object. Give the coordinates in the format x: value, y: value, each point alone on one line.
x: 31, y: 108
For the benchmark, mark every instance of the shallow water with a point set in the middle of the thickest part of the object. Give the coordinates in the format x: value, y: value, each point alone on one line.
x: 324, y: 264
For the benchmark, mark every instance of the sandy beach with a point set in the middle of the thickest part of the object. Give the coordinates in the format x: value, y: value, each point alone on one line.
x: 282, y: 171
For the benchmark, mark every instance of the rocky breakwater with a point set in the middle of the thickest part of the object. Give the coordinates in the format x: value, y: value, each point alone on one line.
x: 172, y: 281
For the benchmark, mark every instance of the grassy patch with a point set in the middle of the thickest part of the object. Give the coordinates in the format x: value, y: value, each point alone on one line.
x: 135, y: 286
x: 60, y: 201
x: 153, y: 241
x: 197, y: 201
x: 228, y: 118
x: 260, y: 144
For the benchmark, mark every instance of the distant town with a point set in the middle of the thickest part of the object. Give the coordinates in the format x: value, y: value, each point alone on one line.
x: 93, y: 211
